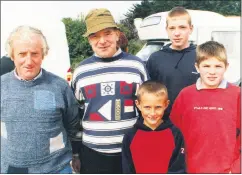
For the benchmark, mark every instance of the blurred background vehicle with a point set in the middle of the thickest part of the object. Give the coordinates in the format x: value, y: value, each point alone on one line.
x: 150, y: 47
x: 207, y: 26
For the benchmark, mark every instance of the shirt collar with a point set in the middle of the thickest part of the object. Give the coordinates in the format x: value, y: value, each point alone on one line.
x: 117, y: 53
x: 18, y: 77
x: 222, y: 85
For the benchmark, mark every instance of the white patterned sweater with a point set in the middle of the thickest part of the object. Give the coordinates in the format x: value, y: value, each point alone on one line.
x: 108, y: 87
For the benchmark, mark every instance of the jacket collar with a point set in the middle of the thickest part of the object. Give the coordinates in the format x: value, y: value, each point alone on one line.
x: 222, y: 85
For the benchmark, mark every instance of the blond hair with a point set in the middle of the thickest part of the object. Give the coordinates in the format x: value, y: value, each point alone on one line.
x: 211, y: 49
x: 27, y: 30
x: 178, y: 11
x: 152, y: 87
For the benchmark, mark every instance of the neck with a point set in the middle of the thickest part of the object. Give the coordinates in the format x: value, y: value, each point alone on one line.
x: 27, y: 79
x: 153, y: 127
x: 180, y: 48
x: 117, y: 52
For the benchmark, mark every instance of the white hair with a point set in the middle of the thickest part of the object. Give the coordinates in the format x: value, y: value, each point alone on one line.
x: 25, y: 31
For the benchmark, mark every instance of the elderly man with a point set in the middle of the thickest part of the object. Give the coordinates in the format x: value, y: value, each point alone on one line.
x: 106, y: 84
x: 39, y: 112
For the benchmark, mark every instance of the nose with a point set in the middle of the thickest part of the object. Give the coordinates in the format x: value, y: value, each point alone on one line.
x: 152, y: 112
x: 102, y: 39
x: 28, y: 59
x: 212, y: 70
x: 176, y: 32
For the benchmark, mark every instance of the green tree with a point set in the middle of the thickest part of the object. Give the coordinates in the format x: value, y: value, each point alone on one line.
x: 148, y: 7
x: 79, y: 47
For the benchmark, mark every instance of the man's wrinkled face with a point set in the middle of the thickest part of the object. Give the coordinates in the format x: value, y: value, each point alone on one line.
x: 27, y: 55
x: 104, y: 42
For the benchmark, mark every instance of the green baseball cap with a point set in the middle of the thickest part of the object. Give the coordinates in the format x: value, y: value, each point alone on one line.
x: 98, y: 19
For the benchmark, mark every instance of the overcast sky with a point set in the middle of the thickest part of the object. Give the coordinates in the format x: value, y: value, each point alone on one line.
x: 13, y: 10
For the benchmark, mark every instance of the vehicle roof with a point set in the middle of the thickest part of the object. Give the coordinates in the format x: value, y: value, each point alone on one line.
x: 154, y: 26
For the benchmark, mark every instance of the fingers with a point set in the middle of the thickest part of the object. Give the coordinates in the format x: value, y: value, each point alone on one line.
x: 76, y: 165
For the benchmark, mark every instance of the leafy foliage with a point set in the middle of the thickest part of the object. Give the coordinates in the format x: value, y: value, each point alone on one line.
x: 79, y: 47
x: 148, y: 7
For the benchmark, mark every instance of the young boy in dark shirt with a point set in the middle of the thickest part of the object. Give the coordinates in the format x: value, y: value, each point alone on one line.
x: 153, y: 145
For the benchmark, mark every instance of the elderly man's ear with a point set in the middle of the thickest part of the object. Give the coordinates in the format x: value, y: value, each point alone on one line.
x: 118, y: 34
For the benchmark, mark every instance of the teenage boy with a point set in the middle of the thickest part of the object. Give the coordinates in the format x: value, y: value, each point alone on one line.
x: 153, y: 145
x: 106, y: 83
x: 208, y: 115
x: 174, y: 64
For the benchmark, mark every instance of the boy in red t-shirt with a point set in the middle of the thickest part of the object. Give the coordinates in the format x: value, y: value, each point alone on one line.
x: 208, y: 115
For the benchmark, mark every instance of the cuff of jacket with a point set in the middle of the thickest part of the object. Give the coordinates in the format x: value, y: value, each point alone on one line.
x: 76, y: 147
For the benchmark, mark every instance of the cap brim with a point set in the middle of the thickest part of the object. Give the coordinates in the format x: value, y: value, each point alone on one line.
x: 98, y: 28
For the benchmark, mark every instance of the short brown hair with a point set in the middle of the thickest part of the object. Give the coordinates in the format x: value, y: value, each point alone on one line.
x: 211, y: 49
x: 178, y: 11
x: 153, y: 87
x: 123, y: 42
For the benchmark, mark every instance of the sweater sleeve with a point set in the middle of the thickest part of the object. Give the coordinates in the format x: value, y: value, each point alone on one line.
x: 176, y: 112
x: 127, y: 162
x: 146, y: 74
x: 177, y: 162
x: 236, y: 166
x: 72, y: 119
x: 150, y: 66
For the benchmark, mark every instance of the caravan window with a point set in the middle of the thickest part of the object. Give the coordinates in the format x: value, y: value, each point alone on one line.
x: 230, y: 40
x: 154, y: 20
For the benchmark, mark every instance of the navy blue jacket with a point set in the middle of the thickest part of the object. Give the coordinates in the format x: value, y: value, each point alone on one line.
x: 174, y: 68
x: 7, y: 65
x: 148, y: 151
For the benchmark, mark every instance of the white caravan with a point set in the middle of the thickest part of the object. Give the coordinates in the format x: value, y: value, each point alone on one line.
x: 207, y: 26
x: 58, y: 60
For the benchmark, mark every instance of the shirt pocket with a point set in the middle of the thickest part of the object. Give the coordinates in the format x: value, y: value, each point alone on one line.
x: 44, y: 100
x: 45, y: 105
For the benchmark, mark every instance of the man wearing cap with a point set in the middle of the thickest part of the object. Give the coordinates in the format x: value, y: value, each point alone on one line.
x: 106, y: 84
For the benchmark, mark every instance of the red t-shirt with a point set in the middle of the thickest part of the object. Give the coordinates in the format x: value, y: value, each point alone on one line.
x: 209, y: 120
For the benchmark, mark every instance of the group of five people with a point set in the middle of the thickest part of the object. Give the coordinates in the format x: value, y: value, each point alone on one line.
x: 177, y: 114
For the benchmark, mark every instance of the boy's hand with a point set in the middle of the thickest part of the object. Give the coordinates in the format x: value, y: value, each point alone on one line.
x: 76, y: 164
